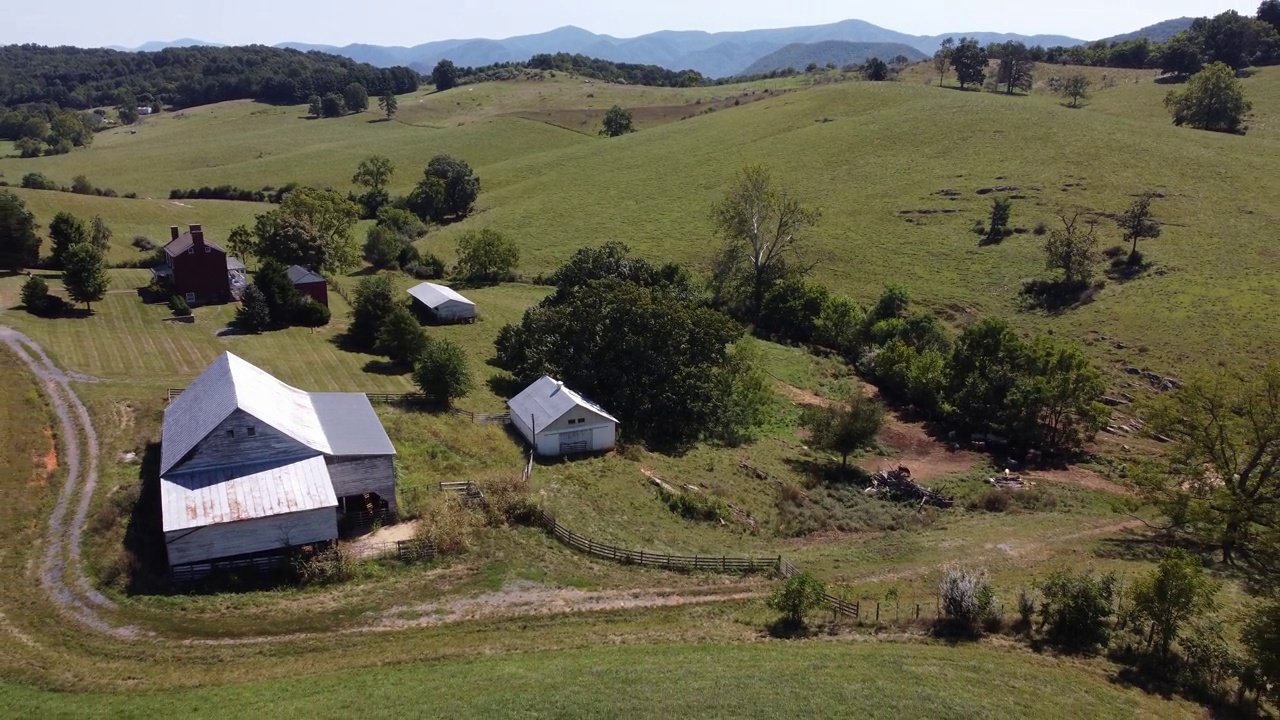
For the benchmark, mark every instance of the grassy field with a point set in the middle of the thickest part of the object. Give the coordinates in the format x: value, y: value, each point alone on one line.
x: 769, y: 680
x: 882, y: 160
x: 873, y: 156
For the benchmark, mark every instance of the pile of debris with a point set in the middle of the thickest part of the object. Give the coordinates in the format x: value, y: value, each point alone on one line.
x: 1010, y: 481
x: 898, y: 485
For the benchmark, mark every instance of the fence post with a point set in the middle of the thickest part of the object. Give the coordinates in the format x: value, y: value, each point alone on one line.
x: 877, y: 611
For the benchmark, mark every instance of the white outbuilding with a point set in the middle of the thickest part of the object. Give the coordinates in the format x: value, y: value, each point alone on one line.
x: 558, y: 421
x: 443, y: 304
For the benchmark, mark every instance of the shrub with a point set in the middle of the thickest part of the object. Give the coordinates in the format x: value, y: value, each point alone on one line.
x: 179, y: 306
x: 442, y: 372
x: 80, y: 185
x: 35, y: 293
x: 311, y: 314
x: 507, y: 500
x: 447, y: 525
x: 967, y: 600
x: 1077, y: 609
x: 695, y: 505
x: 993, y: 501
x: 429, y: 267
x: 143, y: 244
x: 1026, y: 610
x: 37, y: 181
x: 332, y: 565
x: 798, y: 595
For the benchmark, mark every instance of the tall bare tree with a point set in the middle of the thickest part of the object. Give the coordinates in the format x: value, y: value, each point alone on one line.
x: 764, y: 227
x: 942, y: 59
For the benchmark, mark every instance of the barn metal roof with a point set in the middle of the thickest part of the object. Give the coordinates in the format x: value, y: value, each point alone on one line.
x: 351, y: 425
x: 244, y: 492
x: 299, y: 275
x: 433, y: 295
x: 229, y: 384
x: 547, y: 400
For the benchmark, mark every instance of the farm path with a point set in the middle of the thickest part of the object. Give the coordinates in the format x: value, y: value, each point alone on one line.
x: 61, y: 572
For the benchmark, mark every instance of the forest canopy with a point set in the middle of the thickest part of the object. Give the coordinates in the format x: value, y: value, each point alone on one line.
x: 83, y: 78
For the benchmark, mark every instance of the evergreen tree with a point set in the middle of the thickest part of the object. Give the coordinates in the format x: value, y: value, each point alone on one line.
x: 401, y: 338
x: 253, y: 315
x: 66, y: 231
x: 387, y: 103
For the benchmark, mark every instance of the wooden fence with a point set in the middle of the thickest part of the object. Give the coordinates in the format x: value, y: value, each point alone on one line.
x: 839, y: 606
x: 406, y: 551
x: 604, y: 551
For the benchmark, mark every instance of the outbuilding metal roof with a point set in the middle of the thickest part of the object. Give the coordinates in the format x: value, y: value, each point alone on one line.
x: 547, y: 400
x: 433, y: 295
x: 225, y: 386
x: 351, y: 425
x: 299, y: 275
x: 244, y: 492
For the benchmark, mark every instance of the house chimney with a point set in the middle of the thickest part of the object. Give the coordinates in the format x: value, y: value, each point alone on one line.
x: 197, y: 236
x: 173, y: 232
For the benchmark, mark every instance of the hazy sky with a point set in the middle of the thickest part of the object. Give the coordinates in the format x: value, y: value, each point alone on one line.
x: 409, y: 22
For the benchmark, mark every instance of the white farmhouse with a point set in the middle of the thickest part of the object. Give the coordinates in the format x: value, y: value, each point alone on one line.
x: 558, y: 421
x: 250, y: 466
x: 443, y: 304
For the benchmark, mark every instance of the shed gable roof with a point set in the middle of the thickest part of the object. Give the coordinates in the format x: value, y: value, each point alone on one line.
x: 433, y: 295
x: 229, y: 384
x: 547, y: 400
x: 299, y: 275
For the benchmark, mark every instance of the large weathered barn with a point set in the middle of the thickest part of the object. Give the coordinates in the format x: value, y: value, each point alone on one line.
x: 251, y: 466
x: 442, y: 304
x: 558, y: 421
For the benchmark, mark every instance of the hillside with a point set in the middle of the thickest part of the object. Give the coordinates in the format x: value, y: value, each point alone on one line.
x: 799, y: 55
x: 1160, y: 32
x: 883, y: 160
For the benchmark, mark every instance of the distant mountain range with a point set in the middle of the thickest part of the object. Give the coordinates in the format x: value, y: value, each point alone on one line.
x: 718, y: 54
x: 840, y: 52
x: 1160, y: 32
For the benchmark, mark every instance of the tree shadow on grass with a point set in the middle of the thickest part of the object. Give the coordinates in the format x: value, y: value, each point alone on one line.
x: 828, y: 472
x: 377, y: 120
x: 384, y: 367
x: 504, y: 386
x: 1055, y: 296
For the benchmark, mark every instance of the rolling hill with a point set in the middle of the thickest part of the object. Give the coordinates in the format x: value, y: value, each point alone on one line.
x: 799, y: 55
x: 1160, y: 32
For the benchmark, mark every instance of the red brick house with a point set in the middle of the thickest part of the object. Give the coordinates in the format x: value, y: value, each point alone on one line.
x: 310, y: 284
x: 200, y: 270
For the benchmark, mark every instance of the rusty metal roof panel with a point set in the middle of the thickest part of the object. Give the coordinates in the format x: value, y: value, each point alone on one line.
x: 244, y: 492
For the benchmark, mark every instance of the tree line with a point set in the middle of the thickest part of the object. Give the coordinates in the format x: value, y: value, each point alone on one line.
x: 588, y: 67
x: 82, y: 78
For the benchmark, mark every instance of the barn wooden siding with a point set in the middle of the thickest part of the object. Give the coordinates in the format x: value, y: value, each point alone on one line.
x: 251, y: 536
x: 356, y: 475
x: 218, y: 448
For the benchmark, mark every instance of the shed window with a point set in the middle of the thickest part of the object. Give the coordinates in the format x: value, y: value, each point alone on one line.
x: 231, y: 432
x: 251, y: 431
x: 191, y: 297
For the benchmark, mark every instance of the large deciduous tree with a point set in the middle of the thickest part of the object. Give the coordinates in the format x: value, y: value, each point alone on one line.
x: 85, y: 274
x: 1015, y: 71
x: 970, y: 62
x: 442, y: 372
x: 445, y: 75
x: 401, y: 338
x: 617, y: 121
x: 66, y: 231
x: 649, y: 357
x: 241, y: 243
x: 355, y: 97
x: 1222, y: 483
x: 486, y: 256
x: 1212, y: 100
x: 19, y: 242
x: 875, y: 70
x: 448, y: 189
x: 1075, y: 89
x: 374, y: 301
x: 312, y: 228
x: 388, y: 104
x: 764, y: 228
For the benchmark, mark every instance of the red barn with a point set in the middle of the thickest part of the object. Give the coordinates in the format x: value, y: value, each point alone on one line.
x: 310, y: 284
x: 199, y: 269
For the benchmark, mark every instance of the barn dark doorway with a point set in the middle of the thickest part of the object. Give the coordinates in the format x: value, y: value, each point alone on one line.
x: 359, y: 514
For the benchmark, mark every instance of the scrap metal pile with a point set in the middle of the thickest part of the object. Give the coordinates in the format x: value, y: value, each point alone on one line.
x: 897, y: 485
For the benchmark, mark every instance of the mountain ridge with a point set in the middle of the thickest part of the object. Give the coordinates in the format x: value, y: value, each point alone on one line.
x: 714, y: 54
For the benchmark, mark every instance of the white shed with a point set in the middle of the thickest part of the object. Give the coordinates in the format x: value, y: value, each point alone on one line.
x: 443, y: 304
x: 558, y: 421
